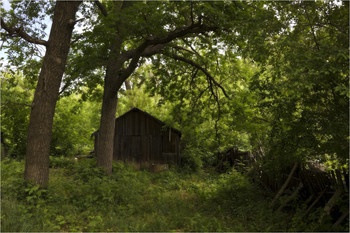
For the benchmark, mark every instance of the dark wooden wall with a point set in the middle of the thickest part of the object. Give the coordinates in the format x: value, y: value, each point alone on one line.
x: 144, y: 140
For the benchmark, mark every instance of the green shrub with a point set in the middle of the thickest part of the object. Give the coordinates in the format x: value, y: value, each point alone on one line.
x: 191, y: 160
x: 60, y: 162
x: 12, y: 179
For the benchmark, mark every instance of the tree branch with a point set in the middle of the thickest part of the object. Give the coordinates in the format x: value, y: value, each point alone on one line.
x: 154, y: 41
x: 101, y: 7
x: 151, y: 50
x: 189, y: 44
x: 182, y: 48
x: 15, y: 103
x: 205, y: 71
x: 155, y: 44
x: 21, y: 33
x: 76, y: 39
x: 127, y: 84
x: 312, y: 28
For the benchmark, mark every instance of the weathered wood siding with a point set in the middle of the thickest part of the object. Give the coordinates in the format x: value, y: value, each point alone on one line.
x: 144, y: 140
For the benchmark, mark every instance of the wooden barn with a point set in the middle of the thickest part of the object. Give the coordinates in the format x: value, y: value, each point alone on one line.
x: 145, y: 141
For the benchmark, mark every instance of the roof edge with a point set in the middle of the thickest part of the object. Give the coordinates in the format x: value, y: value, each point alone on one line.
x: 155, y: 118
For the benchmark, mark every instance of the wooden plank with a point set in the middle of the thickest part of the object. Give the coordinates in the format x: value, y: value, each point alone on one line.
x: 306, y: 181
x: 127, y: 152
x: 314, y: 182
x: 151, y: 152
x: 308, y: 178
x: 330, y: 204
x: 314, y: 203
x: 135, y: 147
x: 333, y: 180
x: 340, y: 219
x: 138, y: 123
x: 340, y: 180
x: 319, y: 182
x: 325, y: 179
x: 286, y: 183
x: 123, y: 121
x: 134, y: 124
x: 141, y: 125
x: 119, y: 147
x: 309, y: 199
x: 115, y: 147
x: 129, y: 129
x: 169, y: 157
x: 346, y: 178
x: 291, y: 197
x: 157, y: 146
x: 144, y: 145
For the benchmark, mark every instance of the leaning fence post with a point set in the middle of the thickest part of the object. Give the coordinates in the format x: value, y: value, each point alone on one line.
x: 284, y: 186
x: 293, y: 196
x: 330, y: 204
x: 314, y: 203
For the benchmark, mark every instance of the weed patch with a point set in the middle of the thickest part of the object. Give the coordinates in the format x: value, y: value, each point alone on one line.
x: 80, y: 197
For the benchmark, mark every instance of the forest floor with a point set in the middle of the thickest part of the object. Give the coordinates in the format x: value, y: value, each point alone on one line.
x: 81, y: 198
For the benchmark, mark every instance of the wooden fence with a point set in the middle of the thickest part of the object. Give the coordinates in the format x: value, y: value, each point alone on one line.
x: 314, y: 187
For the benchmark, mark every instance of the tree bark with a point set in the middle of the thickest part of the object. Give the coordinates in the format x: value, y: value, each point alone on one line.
x: 112, y: 83
x: 105, y: 142
x: 46, y: 93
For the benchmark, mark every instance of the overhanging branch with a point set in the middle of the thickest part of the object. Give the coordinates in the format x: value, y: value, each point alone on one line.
x: 155, y: 45
x: 152, y: 42
x: 19, y: 32
x: 101, y: 7
x: 194, y: 64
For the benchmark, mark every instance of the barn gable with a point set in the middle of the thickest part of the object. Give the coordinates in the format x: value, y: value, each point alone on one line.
x: 144, y: 140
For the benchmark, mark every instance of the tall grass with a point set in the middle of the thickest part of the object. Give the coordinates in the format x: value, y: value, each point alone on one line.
x: 80, y: 197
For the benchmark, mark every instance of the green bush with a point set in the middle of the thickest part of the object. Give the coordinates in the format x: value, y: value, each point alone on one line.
x: 191, y: 160
x: 12, y: 179
x: 60, y: 162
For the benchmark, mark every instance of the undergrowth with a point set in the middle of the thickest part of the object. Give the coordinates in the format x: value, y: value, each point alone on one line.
x: 80, y: 197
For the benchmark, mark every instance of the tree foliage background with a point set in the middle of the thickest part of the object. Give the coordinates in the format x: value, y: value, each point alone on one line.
x: 284, y: 71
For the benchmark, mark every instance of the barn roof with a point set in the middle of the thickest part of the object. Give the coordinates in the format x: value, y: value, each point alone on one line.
x: 149, y: 115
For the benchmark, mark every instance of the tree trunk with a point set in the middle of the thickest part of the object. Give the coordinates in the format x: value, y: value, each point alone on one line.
x: 47, y: 91
x: 105, y: 143
x: 112, y: 83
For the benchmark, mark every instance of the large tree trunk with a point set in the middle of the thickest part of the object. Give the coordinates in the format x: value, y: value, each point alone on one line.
x: 112, y: 83
x: 47, y: 91
x: 105, y: 143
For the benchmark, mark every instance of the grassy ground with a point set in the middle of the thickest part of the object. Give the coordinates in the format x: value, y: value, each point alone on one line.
x: 81, y: 198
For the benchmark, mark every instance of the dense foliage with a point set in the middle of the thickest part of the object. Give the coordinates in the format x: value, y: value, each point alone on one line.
x: 71, y: 131
x: 81, y: 197
x: 274, y: 81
